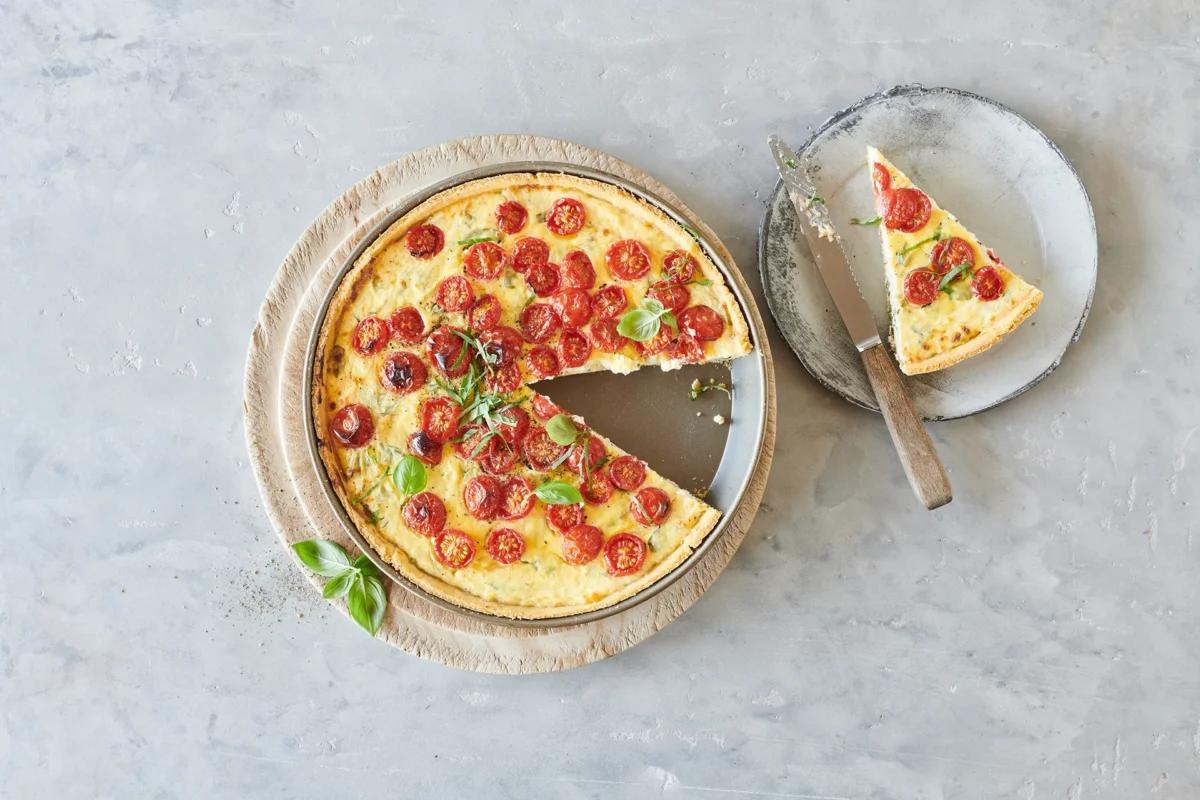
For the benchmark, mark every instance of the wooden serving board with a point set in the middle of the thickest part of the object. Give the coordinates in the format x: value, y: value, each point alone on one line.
x: 291, y: 488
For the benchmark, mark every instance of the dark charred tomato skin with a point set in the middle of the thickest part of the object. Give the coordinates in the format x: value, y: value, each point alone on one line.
x: 514, y: 424
x: 949, y: 253
x: 573, y: 306
x: 448, y: 352
x: 596, y: 452
x: 679, y: 267
x: 542, y: 279
x: 604, y: 337
x: 370, y: 335
x: 880, y: 177
x: 702, y: 323
x: 481, y: 496
x: 673, y: 296
x: 543, y: 407
x: 624, y: 555
x: 529, y: 250
x: 921, y: 287
x: 540, y: 450
x: 905, y: 209
x: 505, y: 379
x: 543, y: 362
x: 425, y: 448
x: 455, y: 293
x: 516, y: 498
x: 406, y: 325
x: 574, y: 349
x: 505, y: 545
x: 352, y: 426
x: 485, y: 261
x: 577, y: 271
x: 566, y: 217
x: 402, y: 372
x: 650, y: 506
x: 626, y: 473
x: 498, y: 456
x: 581, y: 544
x: 628, y: 259
x: 563, y: 518
x: 596, y: 488
x: 484, y: 314
x: 453, y: 548
x: 609, y: 302
x: 539, y: 321
x: 987, y: 284
x: 511, y: 216
x: 424, y: 241
x: 439, y: 418
x: 504, y: 343
x: 425, y: 513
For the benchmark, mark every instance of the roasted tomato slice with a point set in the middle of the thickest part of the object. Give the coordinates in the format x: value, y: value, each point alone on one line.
x: 439, y: 418
x: 539, y: 321
x: 581, y: 544
x: 627, y: 473
x: 511, y: 216
x: 485, y: 261
x: 563, y: 518
x: 455, y: 293
x: 679, y: 267
x: 628, y: 259
x: 503, y: 380
x: 502, y: 343
x: 672, y: 295
x: 566, y: 216
x: 540, y: 450
x: 505, y: 545
x: 407, y: 325
x: 596, y: 453
x: 402, y: 372
x: 543, y: 407
x: 987, y: 284
x: 624, y: 554
x: 528, y: 251
x: 905, y: 209
x: 516, y: 498
x: 499, y: 456
x: 425, y: 513
x: 542, y: 279
x: 949, y: 253
x: 481, y: 496
x: 453, y: 548
x: 609, y: 302
x: 543, y: 362
x: 577, y: 271
x: 424, y: 241
x: 574, y: 307
x: 425, y: 448
x: 603, y: 335
x: 880, y: 177
x: 921, y: 286
x: 370, y: 336
x: 597, y: 488
x: 573, y: 349
x: 485, y: 314
x: 513, y: 424
x: 352, y: 426
x: 650, y: 506
x: 448, y: 352
x: 702, y: 323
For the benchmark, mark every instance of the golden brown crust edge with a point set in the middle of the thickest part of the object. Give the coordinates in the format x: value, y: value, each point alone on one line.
x: 395, y: 555
x: 985, y: 340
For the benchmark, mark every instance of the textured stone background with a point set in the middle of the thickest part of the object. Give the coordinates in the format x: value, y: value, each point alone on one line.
x: 1037, y: 639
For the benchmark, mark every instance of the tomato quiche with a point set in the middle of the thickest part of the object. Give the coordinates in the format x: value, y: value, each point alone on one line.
x: 951, y: 297
x: 471, y: 484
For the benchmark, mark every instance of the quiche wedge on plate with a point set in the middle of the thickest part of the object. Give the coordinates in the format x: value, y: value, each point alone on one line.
x: 951, y: 297
x: 469, y: 483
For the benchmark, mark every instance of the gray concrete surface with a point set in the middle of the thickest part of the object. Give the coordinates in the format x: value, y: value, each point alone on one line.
x: 1037, y: 639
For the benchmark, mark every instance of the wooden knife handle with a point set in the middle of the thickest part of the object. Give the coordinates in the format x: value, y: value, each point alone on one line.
x: 917, y: 455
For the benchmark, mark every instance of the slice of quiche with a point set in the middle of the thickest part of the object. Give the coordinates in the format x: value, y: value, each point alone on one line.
x: 951, y: 297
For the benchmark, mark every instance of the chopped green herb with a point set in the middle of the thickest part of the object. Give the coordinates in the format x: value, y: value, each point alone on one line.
x: 871, y: 221
x: 962, y: 269
x: 697, y: 388
x: 476, y: 238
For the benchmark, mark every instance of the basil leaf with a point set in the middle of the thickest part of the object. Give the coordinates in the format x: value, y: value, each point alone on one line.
x: 339, y: 585
x: 377, y: 596
x: 327, y: 559
x: 701, y: 281
x: 949, y: 277
x: 561, y: 429
x: 558, y: 493
x: 361, y: 605
x: 638, y: 324
x: 871, y: 221
x: 409, y: 475
x: 476, y: 238
x: 669, y: 318
x: 652, y: 305
x: 364, y: 566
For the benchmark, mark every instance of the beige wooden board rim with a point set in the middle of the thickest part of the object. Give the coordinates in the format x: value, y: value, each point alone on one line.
x: 291, y: 490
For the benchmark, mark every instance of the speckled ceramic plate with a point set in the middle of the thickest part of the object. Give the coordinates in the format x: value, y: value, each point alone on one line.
x: 997, y: 173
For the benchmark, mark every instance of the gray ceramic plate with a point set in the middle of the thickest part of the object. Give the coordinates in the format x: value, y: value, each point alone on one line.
x: 647, y: 412
x: 997, y: 173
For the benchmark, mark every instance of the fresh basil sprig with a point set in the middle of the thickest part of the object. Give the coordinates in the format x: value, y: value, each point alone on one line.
x: 409, y: 475
x: 358, y: 582
x: 562, y: 430
x: 475, y: 237
x: 643, y: 322
x: 558, y: 493
x: 871, y: 221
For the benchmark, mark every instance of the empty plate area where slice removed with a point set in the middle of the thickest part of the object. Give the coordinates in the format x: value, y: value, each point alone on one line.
x: 989, y: 167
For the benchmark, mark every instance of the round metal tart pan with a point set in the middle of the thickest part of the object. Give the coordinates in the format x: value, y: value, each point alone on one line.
x: 743, y: 444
